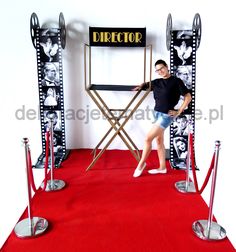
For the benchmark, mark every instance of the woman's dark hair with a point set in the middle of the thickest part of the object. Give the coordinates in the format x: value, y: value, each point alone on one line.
x: 160, y: 61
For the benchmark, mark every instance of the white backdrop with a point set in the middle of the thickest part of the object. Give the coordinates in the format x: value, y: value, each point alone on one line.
x: 19, y: 96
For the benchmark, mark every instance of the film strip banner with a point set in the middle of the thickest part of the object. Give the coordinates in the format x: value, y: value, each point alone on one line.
x: 182, y: 65
x: 48, y: 43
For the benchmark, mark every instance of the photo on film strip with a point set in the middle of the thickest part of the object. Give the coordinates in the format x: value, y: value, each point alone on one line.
x: 56, y: 120
x: 58, y: 152
x: 185, y: 74
x: 49, y: 47
x: 180, y: 151
x: 181, y: 126
x: 57, y: 130
x: 183, y: 47
x: 50, y: 74
x: 51, y: 98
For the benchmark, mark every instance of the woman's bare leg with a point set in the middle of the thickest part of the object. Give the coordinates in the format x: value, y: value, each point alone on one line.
x: 161, y: 151
x: 155, y: 131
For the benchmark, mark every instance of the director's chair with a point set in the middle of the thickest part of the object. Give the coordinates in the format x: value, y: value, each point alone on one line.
x: 110, y: 113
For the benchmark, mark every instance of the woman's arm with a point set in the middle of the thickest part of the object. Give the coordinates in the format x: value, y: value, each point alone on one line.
x: 143, y: 86
x: 187, y: 100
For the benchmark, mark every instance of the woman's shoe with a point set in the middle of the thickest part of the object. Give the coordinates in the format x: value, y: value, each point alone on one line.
x: 157, y: 171
x: 138, y: 171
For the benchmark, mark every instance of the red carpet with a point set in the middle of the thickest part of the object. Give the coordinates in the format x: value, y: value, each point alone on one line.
x: 106, y: 209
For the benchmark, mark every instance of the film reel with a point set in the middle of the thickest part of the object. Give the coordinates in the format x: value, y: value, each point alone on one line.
x: 197, y: 26
x: 168, y: 31
x: 34, y: 24
x: 62, y: 30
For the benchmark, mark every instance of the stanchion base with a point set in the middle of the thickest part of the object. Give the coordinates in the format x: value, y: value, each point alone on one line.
x: 54, y: 185
x: 216, y: 232
x: 184, y: 187
x: 24, y: 230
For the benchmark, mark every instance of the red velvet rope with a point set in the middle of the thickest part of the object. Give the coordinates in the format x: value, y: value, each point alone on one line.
x: 208, y: 174
x: 46, y: 160
x: 30, y: 170
x: 192, y: 155
x: 194, y: 170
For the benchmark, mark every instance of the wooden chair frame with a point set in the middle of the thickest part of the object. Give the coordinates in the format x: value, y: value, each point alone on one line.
x: 127, y: 112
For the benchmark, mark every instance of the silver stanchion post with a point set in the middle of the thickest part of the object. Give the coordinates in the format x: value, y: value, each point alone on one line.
x: 207, y: 229
x: 187, y: 186
x: 31, y: 226
x: 53, y: 184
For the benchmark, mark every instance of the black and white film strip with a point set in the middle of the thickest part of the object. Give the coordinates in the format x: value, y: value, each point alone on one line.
x: 49, y: 43
x: 183, y: 45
